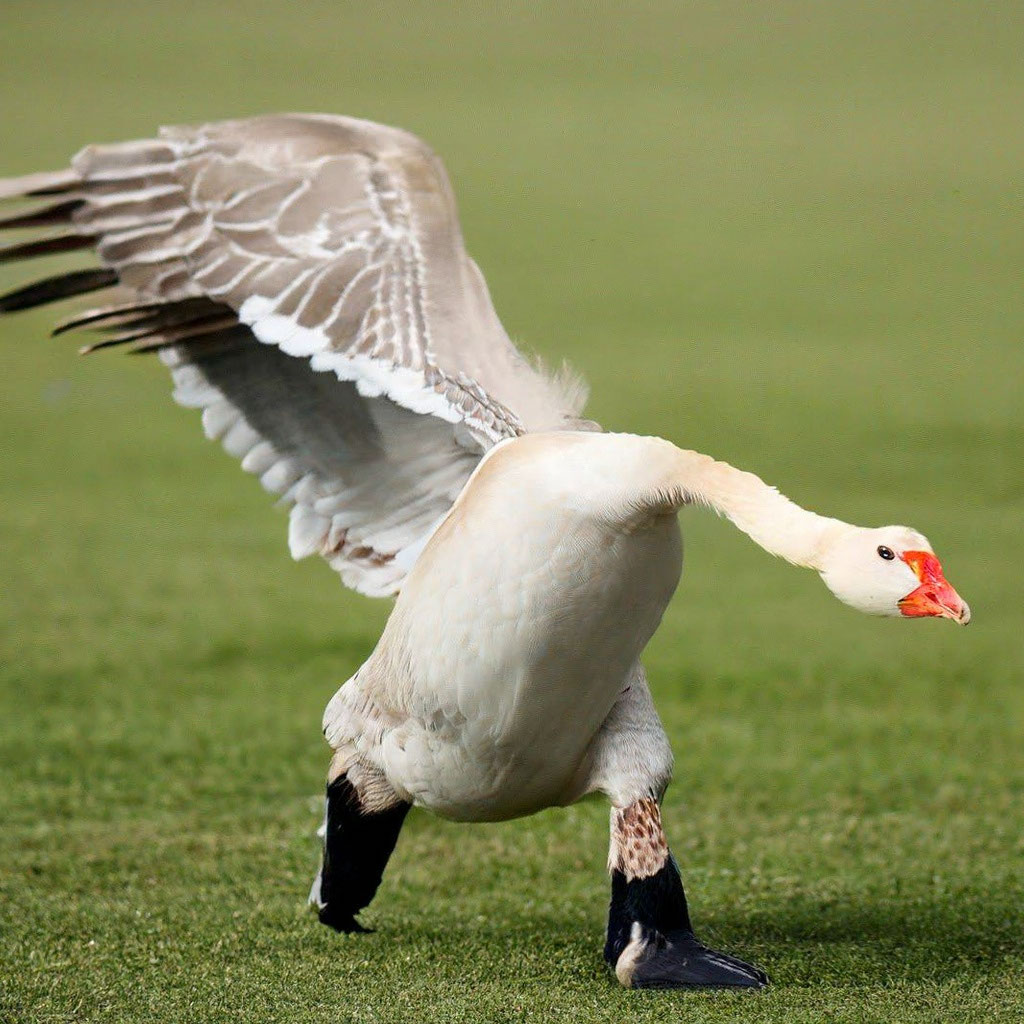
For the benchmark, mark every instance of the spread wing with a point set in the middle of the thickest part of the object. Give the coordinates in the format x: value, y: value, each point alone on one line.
x: 304, y: 278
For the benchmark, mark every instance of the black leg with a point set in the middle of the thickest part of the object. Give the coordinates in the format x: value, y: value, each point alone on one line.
x: 357, y: 845
x: 650, y: 942
x: 657, y: 902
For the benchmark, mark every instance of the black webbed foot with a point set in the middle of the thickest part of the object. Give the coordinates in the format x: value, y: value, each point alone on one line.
x: 341, y: 921
x: 679, y: 960
x: 357, y: 845
x: 650, y: 941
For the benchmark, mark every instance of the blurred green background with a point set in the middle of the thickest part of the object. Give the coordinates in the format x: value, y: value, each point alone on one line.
x: 788, y: 234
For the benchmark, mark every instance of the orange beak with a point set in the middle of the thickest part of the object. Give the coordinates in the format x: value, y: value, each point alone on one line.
x: 935, y: 596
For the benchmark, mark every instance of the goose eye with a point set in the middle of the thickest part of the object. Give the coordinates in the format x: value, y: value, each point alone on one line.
x: 886, y: 553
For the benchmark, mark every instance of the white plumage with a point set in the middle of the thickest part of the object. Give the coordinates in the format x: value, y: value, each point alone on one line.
x: 305, y: 281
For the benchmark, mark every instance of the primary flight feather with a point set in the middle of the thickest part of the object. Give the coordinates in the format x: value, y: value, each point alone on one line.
x: 384, y: 372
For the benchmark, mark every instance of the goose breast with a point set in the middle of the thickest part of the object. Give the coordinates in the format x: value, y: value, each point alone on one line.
x: 515, y: 632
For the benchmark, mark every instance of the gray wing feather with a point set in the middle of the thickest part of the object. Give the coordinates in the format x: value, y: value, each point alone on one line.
x: 365, y: 478
x: 383, y: 373
x: 335, y: 239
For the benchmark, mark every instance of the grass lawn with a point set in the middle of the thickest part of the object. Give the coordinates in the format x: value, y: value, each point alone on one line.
x: 788, y: 235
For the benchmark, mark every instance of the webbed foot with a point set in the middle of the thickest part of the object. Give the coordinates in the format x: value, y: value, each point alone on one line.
x: 677, y: 959
x: 357, y: 845
x: 650, y: 940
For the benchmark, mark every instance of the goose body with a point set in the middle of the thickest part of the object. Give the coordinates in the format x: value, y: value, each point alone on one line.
x: 517, y: 630
x: 304, y: 279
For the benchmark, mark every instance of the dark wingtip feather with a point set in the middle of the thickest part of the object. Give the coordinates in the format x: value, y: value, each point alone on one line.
x: 105, y: 316
x: 52, y: 289
x: 45, y: 246
x: 159, y: 335
x: 54, y: 213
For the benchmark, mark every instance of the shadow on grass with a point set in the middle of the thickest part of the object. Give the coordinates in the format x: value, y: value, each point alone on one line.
x: 875, y: 943
x: 884, y: 941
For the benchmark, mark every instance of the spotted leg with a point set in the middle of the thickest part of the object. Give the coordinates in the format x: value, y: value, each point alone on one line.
x: 650, y: 942
x: 362, y: 819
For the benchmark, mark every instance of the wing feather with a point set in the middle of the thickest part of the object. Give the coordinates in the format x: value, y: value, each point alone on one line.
x: 305, y: 279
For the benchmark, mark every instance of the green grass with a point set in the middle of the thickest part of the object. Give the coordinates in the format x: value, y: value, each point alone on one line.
x: 786, y: 234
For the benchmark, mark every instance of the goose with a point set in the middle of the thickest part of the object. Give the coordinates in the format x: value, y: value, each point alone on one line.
x: 304, y: 279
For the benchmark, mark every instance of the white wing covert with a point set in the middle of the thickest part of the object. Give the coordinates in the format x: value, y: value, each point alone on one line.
x: 383, y: 373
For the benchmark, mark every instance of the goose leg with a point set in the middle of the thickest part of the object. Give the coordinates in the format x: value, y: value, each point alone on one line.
x: 361, y: 826
x: 650, y: 941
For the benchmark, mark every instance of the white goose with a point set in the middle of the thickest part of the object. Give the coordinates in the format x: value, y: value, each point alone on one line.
x: 305, y: 280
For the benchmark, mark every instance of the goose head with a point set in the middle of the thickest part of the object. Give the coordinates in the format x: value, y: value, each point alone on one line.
x: 891, y: 570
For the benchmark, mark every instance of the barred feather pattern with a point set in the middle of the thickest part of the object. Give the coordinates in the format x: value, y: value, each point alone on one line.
x: 319, y: 260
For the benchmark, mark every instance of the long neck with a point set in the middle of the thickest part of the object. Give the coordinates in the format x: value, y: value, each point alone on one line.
x: 769, y: 518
